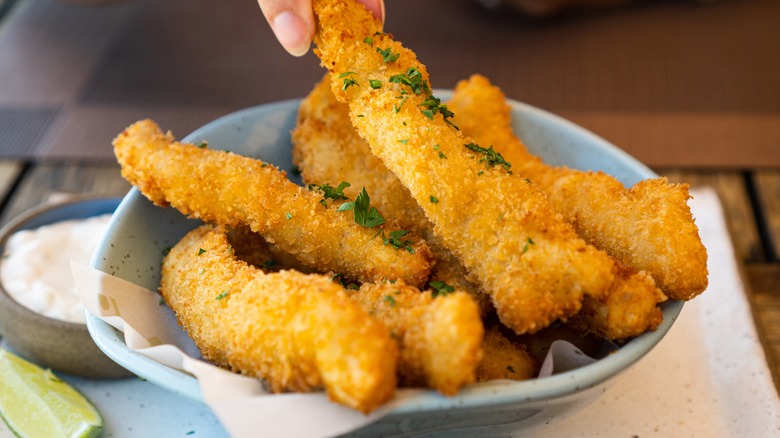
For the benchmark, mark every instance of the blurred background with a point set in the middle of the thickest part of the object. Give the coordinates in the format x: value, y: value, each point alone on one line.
x: 673, y: 82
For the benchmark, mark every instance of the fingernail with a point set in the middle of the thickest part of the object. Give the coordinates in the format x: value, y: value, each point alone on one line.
x: 291, y: 32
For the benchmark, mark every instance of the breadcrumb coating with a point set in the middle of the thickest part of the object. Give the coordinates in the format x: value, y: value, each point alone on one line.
x: 503, y: 230
x: 230, y: 189
x: 327, y: 149
x: 298, y: 332
x: 504, y: 359
x: 648, y: 227
x: 440, y: 337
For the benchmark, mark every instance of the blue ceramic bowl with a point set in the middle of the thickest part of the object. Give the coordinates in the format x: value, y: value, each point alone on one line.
x: 60, y: 345
x: 139, y: 232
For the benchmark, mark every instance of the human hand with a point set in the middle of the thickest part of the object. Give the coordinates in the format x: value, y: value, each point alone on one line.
x: 292, y: 21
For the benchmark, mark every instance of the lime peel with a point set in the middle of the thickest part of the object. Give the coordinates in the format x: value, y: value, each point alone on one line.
x: 34, y: 402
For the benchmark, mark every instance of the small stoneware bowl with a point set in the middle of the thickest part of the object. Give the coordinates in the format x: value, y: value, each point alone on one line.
x: 60, y: 345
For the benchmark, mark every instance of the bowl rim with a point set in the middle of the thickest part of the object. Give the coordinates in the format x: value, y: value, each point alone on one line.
x: 17, y: 223
x: 477, y: 395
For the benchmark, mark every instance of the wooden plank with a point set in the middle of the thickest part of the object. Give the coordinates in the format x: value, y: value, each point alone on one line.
x: 731, y: 189
x: 9, y: 172
x: 46, y: 180
x: 767, y: 183
x: 764, y: 295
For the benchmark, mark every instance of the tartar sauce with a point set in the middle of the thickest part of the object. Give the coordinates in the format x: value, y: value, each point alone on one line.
x: 35, y: 269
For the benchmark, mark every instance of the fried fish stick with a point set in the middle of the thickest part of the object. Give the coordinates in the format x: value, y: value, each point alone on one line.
x: 648, y: 227
x: 502, y: 359
x: 229, y: 189
x: 503, y: 230
x: 298, y: 332
x: 628, y: 309
x: 327, y: 149
x: 440, y: 338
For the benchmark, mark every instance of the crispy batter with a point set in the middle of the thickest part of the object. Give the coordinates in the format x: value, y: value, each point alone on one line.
x: 629, y: 309
x: 648, y: 227
x: 229, y: 189
x: 503, y: 359
x: 440, y: 338
x: 327, y: 149
x: 503, y: 230
x: 298, y: 332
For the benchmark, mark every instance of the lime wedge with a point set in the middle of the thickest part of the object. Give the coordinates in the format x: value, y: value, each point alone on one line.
x: 36, y: 403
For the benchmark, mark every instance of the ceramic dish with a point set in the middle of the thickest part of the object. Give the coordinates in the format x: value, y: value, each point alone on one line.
x: 139, y: 232
x: 53, y: 343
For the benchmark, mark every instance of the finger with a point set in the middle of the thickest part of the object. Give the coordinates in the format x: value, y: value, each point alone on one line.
x: 292, y: 23
x: 377, y: 7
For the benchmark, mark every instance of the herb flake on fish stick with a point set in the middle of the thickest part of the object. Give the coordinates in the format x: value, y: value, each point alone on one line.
x: 529, y: 290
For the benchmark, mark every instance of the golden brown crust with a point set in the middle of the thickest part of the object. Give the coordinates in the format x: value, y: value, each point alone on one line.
x: 298, y: 332
x: 648, y: 227
x: 229, y: 189
x: 327, y: 149
x: 483, y: 215
x: 440, y: 338
x: 503, y: 359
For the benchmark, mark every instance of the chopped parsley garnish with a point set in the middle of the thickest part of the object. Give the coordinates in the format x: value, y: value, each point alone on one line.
x: 510, y: 368
x: 166, y: 250
x: 390, y: 300
x: 223, y: 294
x: 201, y: 251
x: 501, y: 216
x: 388, y: 55
x: 437, y: 148
x: 431, y: 105
x: 330, y: 192
x: 434, y: 200
x: 528, y: 243
x: 270, y: 263
x: 202, y: 145
x: 296, y: 171
x: 369, y: 41
x: 440, y: 288
x: 375, y: 83
x: 365, y: 214
x: 413, y: 79
x: 397, y: 108
x: 490, y: 156
x: 403, y: 141
x: 348, y: 80
x: 288, y: 215
x: 395, y: 240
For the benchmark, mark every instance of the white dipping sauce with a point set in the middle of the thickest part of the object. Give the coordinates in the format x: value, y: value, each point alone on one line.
x: 35, y: 269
